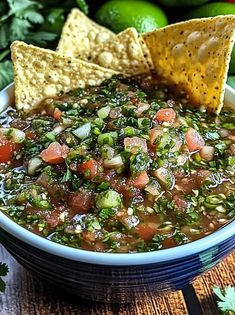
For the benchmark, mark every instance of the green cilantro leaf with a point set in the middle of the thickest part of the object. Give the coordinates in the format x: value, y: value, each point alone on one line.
x: 83, y: 6
x: 4, y: 35
x: 19, y: 28
x: 40, y: 38
x: 227, y: 298
x: 3, y: 272
x: 54, y: 15
x: 6, y: 73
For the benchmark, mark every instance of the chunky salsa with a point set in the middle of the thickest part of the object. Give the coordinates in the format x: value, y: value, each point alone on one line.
x: 128, y: 166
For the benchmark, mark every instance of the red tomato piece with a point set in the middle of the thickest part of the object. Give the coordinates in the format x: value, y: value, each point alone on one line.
x: 57, y: 113
x: 55, y: 153
x: 181, y: 203
x: 89, y: 169
x: 81, y: 202
x: 147, y: 230
x: 30, y: 135
x: 6, y: 150
x: 165, y: 115
x: 194, y: 140
x: 141, y: 180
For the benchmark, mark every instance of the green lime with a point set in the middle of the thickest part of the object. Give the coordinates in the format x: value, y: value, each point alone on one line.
x: 232, y: 62
x: 213, y: 9
x: 182, y: 3
x: 119, y: 15
x: 231, y: 81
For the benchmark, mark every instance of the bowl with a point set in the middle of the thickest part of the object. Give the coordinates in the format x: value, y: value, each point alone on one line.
x: 110, y: 277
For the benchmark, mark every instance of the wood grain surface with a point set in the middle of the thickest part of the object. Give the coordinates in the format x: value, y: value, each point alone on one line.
x: 28, y: 296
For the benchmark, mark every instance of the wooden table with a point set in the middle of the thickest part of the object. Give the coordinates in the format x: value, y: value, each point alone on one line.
x: 28, y: 296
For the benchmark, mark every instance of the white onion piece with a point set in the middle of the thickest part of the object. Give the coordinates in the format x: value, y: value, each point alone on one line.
x: 142, y: 107
x: 115, y: 162
x: 135, y: 143
x: 177, y: 146
x: 58, y: 129
x: 16, y: 135
x: 152, y: 190
x: 207, y: 153
x: 34, y: 165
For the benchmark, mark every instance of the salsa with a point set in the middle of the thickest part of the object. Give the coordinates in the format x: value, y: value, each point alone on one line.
x: 128, y: 166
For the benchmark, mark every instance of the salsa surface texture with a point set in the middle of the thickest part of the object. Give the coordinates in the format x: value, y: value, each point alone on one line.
x: 128, y: 166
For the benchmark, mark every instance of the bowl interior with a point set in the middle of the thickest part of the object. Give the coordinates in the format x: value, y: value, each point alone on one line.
x: 118, y: 259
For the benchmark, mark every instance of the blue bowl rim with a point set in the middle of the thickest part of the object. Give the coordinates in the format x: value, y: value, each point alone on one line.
x: 116, y: 259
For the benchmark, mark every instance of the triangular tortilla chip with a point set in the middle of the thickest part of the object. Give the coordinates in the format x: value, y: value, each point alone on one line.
x: 80, y: 36
x: 41, y: 73
x: 122, y: 53
x: 195, y: 55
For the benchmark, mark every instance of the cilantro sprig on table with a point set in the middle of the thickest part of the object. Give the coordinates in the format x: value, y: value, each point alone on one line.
x: 3, y: 272
x: 226, y: 303
x: 35, y: 22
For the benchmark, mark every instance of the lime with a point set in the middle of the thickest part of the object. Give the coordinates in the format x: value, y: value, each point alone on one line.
x: 231, y: 81
x: 182, y: 3
x: 119, y: 15
x: 213, y: 9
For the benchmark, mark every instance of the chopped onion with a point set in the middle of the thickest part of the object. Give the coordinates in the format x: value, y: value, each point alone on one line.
x: 103, y: 112
x: 142, y: 107
x: 34, y: 165
x: 207, y: 153
x: 153, y: 190
x: 135, y: 143
x: 83, y: 132
x: 14, y: 134
x: 115, y: 162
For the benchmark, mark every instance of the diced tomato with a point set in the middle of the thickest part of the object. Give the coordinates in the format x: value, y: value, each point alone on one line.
x: 134, y: 100
x: 147, y: 230
x: 180, y: 203
x: 6, y: 150
x: 89, y: 169
x: 81, y: 202
x: 53, y: 218
x: 141, y: 180
x: 57, y: 113
x: 55, y: 153
x: 30, y: 135
x: 194, y: 140
x: 192, y: 182
x: 165, y: 115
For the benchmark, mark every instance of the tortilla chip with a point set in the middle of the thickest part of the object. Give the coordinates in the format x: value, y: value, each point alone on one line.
x: 80, y: 36
x: 194, y: 55
x: 41, y: 73
x: 122, y: 53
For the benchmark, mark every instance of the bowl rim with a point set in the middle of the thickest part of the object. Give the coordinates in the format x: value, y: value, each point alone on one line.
x: 117, y: 259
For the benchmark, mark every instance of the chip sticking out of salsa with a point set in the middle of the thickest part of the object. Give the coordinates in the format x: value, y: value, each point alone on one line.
x: 123, y: 53
x: 194, y: 55
x: 40, y: 73
x: 80, y: 36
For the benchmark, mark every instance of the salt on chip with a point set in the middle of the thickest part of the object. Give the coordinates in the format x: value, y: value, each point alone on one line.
x: 80, y: 36
x: 123, y: 53
x: 40, y: 73
x: 195, y: 55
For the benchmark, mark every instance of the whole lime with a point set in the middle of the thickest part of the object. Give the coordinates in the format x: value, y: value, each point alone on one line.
x: 119, y: 15
x: 182, y: 3
x: 213, y: 9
